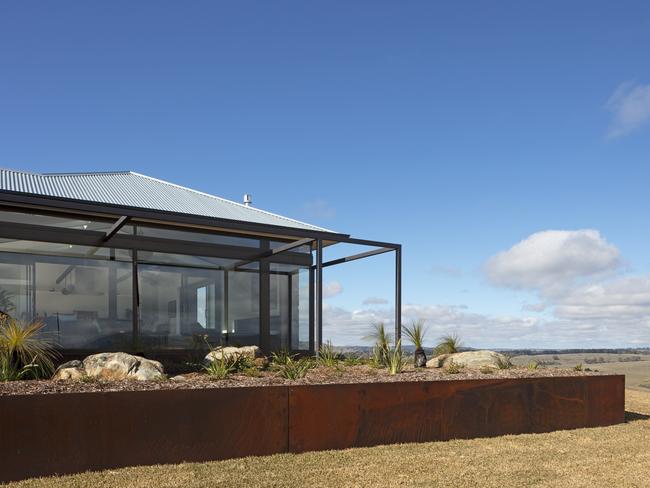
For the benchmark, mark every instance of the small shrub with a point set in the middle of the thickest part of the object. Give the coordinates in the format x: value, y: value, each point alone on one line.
x: 503, y: 362
x: 577, y: 367
x: 327, y: 355
x: 396, y: 359
x: 454, y: 368
x: 486, y: 370
x: 295, y: 369
x: 533, y: 365
x: 449, y: 344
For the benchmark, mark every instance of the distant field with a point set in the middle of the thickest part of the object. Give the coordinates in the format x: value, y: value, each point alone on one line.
x: 616, y: 456
x: 635, y: 367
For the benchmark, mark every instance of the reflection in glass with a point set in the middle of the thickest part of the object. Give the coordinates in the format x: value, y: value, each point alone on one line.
x: 180, y: 308
x: 84, y: 303
x: 243, y: 311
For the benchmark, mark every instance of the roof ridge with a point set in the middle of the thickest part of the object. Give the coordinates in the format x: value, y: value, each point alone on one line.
x: 86, y: 173
x: 228, y: 201
x: 72, y: 173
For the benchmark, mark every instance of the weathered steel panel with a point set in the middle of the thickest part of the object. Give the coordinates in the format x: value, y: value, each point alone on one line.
x: 42, y: 435
x: 341, y: 416
x: 67, y: 433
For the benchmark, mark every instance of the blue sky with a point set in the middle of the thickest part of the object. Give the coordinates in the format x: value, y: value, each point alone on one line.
x: 458, y: 130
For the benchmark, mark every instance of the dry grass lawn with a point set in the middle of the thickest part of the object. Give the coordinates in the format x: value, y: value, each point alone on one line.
x: 613, y: 456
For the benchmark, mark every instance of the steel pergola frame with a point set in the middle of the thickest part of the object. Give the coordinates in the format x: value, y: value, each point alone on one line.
x: 120, y: 216
x: 317, y: 269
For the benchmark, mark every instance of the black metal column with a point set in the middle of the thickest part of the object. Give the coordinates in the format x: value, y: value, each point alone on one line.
x: 312, y: 303
x: 135, y: 292
x: 318, y: 318
x: 398, y: 294
x: 265, y: 301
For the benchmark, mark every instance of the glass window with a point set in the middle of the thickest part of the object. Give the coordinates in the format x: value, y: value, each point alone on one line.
x: 188, y: 235
x: 67, y: 222
x: 184, y: 260
x: 59, y: 249
x: 306, y: 249
x: 84, y: 303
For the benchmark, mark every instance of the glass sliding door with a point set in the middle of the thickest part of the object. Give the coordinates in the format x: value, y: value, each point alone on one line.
x: 180, y: 308
x: 243, y: 308
x: 280, y: 309
x: 300, y: 305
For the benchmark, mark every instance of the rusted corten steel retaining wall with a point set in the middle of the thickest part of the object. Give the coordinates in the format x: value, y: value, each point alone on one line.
x: 42, y: 435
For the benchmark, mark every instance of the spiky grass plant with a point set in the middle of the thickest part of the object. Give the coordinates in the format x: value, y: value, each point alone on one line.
x: 6, y: 303
x: 24, y: 352
x: 486, y: 370
x: 449, y: 344
x: 396, y: 359
x: 295, y: 369
x: 503, y: 362
x: 453, y: 367
x: 381, y: 348
x: 327, y: 355
x: 281, y: 357
x: 354, y: 360
x: 416, y: 333
x: 219, y: 368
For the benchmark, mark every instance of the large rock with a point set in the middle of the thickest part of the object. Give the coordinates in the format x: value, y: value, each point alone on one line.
x: 468, y: 359
x: 250, y: 352
x: 122, y: 366
x: 72, y: 370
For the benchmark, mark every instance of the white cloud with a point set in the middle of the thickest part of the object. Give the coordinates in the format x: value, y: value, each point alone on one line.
x: 332, y: 289
x: 630, y: 106
x: 375, y: 301
x: 534, y: 307
x: 621, y: 300
x: 552, y: 260
x: 349, y: 327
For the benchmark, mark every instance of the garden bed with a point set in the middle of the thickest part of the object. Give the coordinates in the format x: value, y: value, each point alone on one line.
x: 319, y: 375
x: 201, y: 420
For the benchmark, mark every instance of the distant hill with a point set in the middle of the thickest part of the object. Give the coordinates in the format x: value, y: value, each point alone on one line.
x: 513, y: 352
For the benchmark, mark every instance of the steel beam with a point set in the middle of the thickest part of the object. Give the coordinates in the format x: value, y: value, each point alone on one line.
x: 273, y: 252
x: 44, y: 233
x: 365, y: 242
x: 354, y: 257
x: 119, y: 223
x: 398, y: 294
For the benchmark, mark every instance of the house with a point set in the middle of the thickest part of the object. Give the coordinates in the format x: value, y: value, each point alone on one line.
x: 122, y: 261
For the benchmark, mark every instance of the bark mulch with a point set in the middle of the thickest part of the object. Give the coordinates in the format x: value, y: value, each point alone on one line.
x: 320, y: 375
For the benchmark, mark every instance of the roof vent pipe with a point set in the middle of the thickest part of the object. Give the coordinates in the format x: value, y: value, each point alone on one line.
x: 248, y: 199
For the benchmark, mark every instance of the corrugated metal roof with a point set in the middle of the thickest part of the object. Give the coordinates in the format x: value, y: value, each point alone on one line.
x: 135, y: 190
